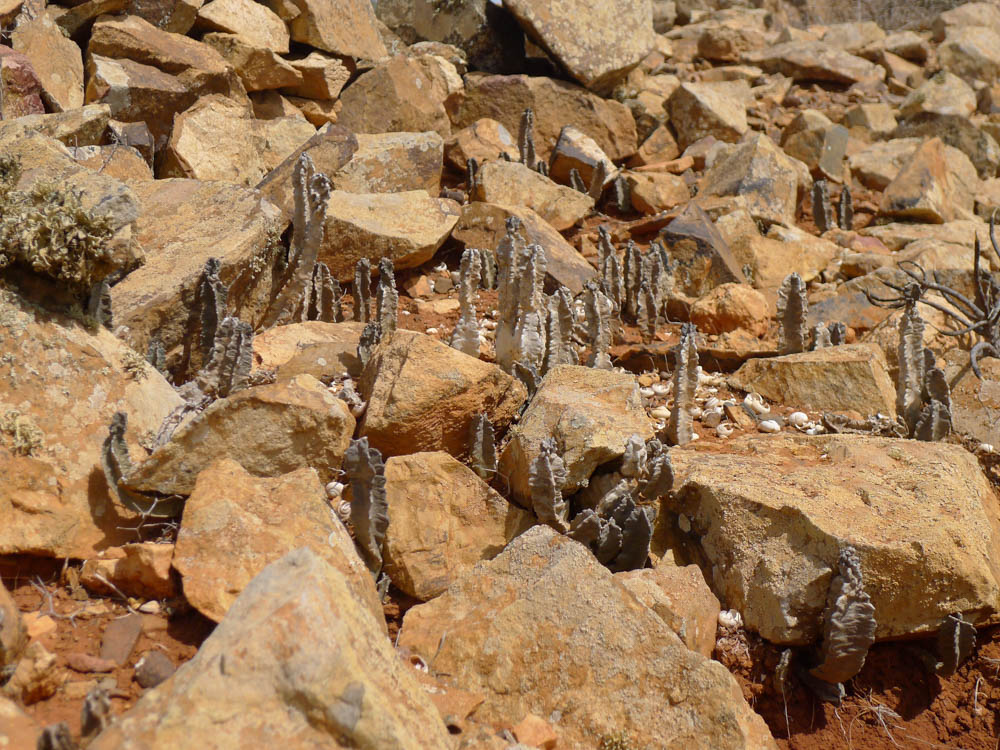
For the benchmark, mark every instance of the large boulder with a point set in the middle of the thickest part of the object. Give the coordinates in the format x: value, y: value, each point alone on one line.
x: 545, y: 629
x: 56, y: 59
x: 930, y: 189
x: 393, y: 163
x: 347, y: 28
x: 717, y: 109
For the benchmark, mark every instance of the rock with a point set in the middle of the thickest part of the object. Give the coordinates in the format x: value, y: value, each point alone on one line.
x: 443, y: 519
x: 897, y: 235
x: 22, y: 87
x: 330, y: 149
x: 278, y: 632
x: 17, y: 729
x: 13, y: 636
x: 760, y: 172
x: 319, y: 112
x: 74, y: 20
x: 700, y: 252
x: 971, y: 53
x: 423, y: 395
x: 819, y: 144
x: 177, y: 16
x: 290, y: 349
x: 482, y: 140
x: 597, y: 44
x: 119, y: 638
x: 547, y: 599
x: 682, y: 599
x: 877, y: 164
x: 269, y: 430
x: 875, y: 117
x: 121, y: 162
x: 555, y: 104
x: 66, y: 383
x: 514, y: 184
x: 814, y: 61
x: 589, y: 412
x: 250, y: 21
x: 36, y: 677
x: 258, y: 67
x: 407, y: 227
x: 323, y: 76
x: 698, y: 110
x: 133, y: 134
x: 153, y: 668
x: 270, y: 104
x: 393, y: 163
x: 484, y: 225
x: 87, y: 664
x: 215, y: 140
x: 653, y: 192
x: 840, y: 378
x: 975, y: 403
x: 944, y: 94
x: 534, y: 731
x: 977, y: 14
x: 346, y: 28
x: 732, y: 306
x: 853, y: 37
x: 141, y: 570
x: 280, y: 137
x: 56, y: 60
x: 236, y: 524
x: 659, y: 146
x: 727, y: 44
x: 395, y: 96
x: 988, y: 198
x: 183, y: 224
x: 772, y: 513
x: 84, y: 126
x: 926, y: 189
x: 959, y: 133
x: 577, y: 150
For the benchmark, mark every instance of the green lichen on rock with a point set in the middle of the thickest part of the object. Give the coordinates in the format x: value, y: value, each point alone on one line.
x: 25, y: 435
x: 46, y: 228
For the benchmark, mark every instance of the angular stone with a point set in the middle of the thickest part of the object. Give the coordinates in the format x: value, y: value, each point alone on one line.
x: 819, y: 144
x: 591, y: 414
x: 13, y: 636
x: 839, y: 378
x: 875, y: 117
x: 393, y: 163
x: 56, y: 60
x: 732, y: 306
x: 484, y: 225
x: 971, y: 52
x: 548, y: 599
x: 443, y: 519
x: 653, y: 192
x: 343, y: 27
x: 297, y: 348
x: 280, y: 137
x: 727, y: 44
x: 407, y: 227
x: 908, y: 45
x: 270, y: 104
x: 698, y: 110
x: 141, y: 570
x: 395, y: 96
x: 853, y: 36
x: 84, y: 126
x: 236, y: 524
x: 957, y: 132
x: 975, y: 403
x: 21, y: 86
x: 153, y: 668
x: 927, y: 189
x: 597, y: 44
x: 267, y: 672
x: 944, y: 94
x: 177, y: 16
x: 323, y: 76
x: 898, y: 235
x: 555, y: 104
x: 700, y: 252
x: 319, y: 112
x: 423, y: 396
x: 259, y: 68
x: 977, y: 14
x: 483, y: 140
x: 37, y: 676
x: 514, y: 184
x: 118, y: 161
x: 183, y: 224
x: 269, y: 430
x: 760, y: 172
x: 771, y: 514
x: 814, y: 61
x: 75, y: 19
x: 119, y: 638
x: 577, y: 150
x: 249, y: 20
x: 659, y: 146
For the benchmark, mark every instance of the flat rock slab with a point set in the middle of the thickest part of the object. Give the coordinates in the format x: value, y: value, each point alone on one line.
x: 814, y: 61
x: 393, y: 163
x: 269, y: 430
x: 119, y: 638
x: 597, y: 43
x: 235, y: 524
x: 545, y: 629
x: 443, y: 519
x: 310, y: 348
x: 837, y: 378
x: 269, y: 676
x: 66, y: 383
x: 771, y: 514
x: 423, y: 396
x: 591, y: 414
x: 515, y: 184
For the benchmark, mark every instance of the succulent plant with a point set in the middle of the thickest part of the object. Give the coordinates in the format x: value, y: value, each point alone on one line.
x: 599, y: 309
x: 955, y: 643
x: 369, y: 507
x: 99, y: 304
x: 822, y: 210
x: 576, y: 181
x: 680, y: 427
x: 324, y: 296
x: 632, y: 277
x: 792, y: 312
x: 838, y: 333
x: 482, y: 448
x: 559, y: 349
x: 156, y: 355
x: 821, y: 336
x: 228, y: 368
x: 546, y: 478
x: 610, y: 270
x: 597, y: 178
x: 96, y: 712
x: 363, y: 308
x: 521, y: 328
x: 211, y: 300
x: 526, y: 139
x: 371, y: 335
x: 845, y: 209
x: 465, y: 337
x: 117, y: 466
x: 387, y: 298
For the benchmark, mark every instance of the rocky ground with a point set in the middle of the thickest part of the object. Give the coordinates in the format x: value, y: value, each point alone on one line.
x: 457, y: 375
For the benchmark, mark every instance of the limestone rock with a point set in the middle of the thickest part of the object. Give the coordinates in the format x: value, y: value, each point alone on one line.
x: 814, y: 61
x: 280, y: 137
x: 577, y: 150
x: 22, y: 87
x: 236, y: 524
x: 682, y: 599
x: 727, y: 44
x: 269, y: 104
x: 323, y: 76
x: 700, y: 252
x: 959, y: 133
x: 291, y: 349
x: 36, y: 677
x: 393, y: 163
x: 653, y: 192
x: 443, y: 519
x: 590, y: 413
x: 927, y: 189
x: 183, y: 224
x: 975, y: 403
x: 253, y: 22
x: 177, y: 16
x: 555, y: 104
x: 407, y: 227
x: 268, y: 672
x: 839, y: 378
x: 597, y: 44
x: 484, y: 225
x: 977, y: 14
x: 819, y: 144
x: 877, y: 164
x: 395, y: 96
x: 343, y: 27
x: 258, y: 67
x: 732, y: 306
x: 121, y: 162
x: 772, y: 513
x: 659, y: 146
x: 319, y: 112
x: 269, y: 430
x: 944, y: 93
x: 423, y: 395
x: 483, y: 140
x: 141, y: 570
x: 875, y: 117
x: 702, y: 109
x: 548, y: 600
x: 83, y: 126
x: 67, y: 383
x: 514, y: 184
x: 971, y: 52
x: 13, y: 636
x: 853, y: 36
x: 56, y: 60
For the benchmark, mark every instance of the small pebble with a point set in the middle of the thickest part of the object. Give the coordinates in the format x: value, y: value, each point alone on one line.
x: 712, y: 418
x: 769, y: 425
x: 153, y: 668
x: 80, y: 662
